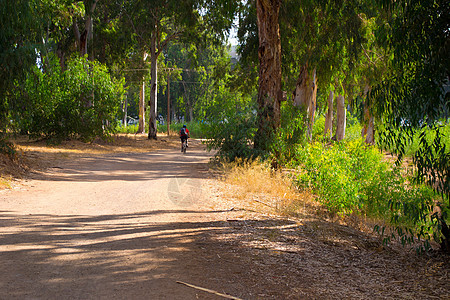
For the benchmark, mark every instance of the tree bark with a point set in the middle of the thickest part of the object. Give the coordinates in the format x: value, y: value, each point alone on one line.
x: 341, y: 118
x: 141, y: 128
x: 328, y: 131
x: 125, y: 111
x: 168, y: 105
x: 305, y: 94
x: 87, y: 34
x: 300, y: 97
x: 152, y: 129
x: 269, y: 53
x: 370, y: 134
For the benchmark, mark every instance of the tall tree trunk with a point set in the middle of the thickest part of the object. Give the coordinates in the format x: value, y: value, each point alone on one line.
x: 87, y: 34
x: 152, y: 129
x: 168, y: 105
x: 341, y: 118
x: 62, y: 59
x: 125, y: 110
x: 305, y: 94
x: 328, y: 131
x: 191, y: 113
x: 312, y: 104
x: 300, y: 97
x: 370, y: 132
x: 141, y: 128
x: 269, y: 53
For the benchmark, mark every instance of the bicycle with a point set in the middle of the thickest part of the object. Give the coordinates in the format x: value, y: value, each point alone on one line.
x: 183, y: 146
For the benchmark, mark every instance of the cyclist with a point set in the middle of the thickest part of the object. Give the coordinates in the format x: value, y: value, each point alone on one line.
x: 184, y: 135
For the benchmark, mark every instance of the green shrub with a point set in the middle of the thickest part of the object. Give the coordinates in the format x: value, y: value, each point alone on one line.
x: 130, y: 129
x: 353, y: 129
x: 318, y: 128
x: 232, y: 136
x: 290, y: 135
x: 336, y: 173
x: 81, y: 102
x: 350, y: 177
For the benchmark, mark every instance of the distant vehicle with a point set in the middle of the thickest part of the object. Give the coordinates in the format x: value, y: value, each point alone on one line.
x: 160, y: 120
x: 132, y: 121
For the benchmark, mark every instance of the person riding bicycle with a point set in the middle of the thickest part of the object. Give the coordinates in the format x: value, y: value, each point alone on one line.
x: 184, y: 135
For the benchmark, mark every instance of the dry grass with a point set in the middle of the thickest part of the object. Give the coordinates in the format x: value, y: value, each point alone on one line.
x: 266, y: 190
x: 5, y: 182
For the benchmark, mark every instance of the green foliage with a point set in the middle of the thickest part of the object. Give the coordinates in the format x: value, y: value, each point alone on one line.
x: 332, y: 171
x: 131, y: 129
x: 81, y: 102
x: 353, y: 128
x: 429, y: 135
x: 196, y: 129
x: 352, y: 178
x: 232, y: 136
x: 8, y: 148
x: 290, y: 135
x: 318, y: 128
x: 19, y: 39
x: 412, y: 96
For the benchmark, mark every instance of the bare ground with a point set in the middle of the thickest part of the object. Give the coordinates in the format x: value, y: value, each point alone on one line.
x: 136, y: 219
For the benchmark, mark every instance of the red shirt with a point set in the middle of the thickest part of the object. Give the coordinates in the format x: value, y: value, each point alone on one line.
x: 187, y: 132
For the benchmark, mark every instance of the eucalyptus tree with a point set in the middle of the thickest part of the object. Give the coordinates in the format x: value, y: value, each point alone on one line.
x: 269, y: 82
x: 414, y: 97
x: 320, y: 40
x: 201, y: 75
x: 157, y: 23
x: 86, y: 34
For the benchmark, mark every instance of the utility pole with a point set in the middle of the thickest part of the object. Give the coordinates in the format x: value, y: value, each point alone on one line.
x: 168, y: 105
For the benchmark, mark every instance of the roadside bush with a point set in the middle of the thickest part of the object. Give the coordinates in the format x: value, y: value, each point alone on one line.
x: 351, y: 178
x: 290, y: 135
x: 353, y: 128
x: 130, y: 129
x: 81, y: 102
x: 232, y: 136
x: 337, y: 173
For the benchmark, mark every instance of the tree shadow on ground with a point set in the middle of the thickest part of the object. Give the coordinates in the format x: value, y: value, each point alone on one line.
x: 130, y: 167
x: 129, y: 256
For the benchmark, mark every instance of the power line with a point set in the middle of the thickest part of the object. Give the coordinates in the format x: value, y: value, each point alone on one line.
x: 170, y: 69
x: 138, y: 81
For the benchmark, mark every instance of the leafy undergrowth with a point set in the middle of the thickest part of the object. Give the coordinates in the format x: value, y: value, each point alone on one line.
x: 256, y: 187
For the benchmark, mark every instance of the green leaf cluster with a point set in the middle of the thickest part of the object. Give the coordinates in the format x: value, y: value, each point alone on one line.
x: 81, y: 102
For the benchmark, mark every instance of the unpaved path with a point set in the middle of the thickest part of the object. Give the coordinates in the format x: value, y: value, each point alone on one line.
x: 117, y: 226
x: 132, y: 225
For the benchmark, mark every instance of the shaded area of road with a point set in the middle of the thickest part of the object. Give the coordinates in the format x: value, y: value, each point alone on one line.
x: 128, y: 256
x: 129, y: 226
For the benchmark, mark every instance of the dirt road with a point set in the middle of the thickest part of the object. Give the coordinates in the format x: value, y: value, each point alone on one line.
x: 135, y: 225
x: 118, y: 226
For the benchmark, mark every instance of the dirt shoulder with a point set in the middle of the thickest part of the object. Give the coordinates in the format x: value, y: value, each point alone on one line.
x: 122, y: 221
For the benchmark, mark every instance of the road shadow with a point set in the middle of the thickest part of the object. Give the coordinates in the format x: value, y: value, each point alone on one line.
x: 128, y: 256
x: 131, y: 166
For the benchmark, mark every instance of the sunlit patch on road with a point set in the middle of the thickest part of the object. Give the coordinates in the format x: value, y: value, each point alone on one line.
x: 184, y: 191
